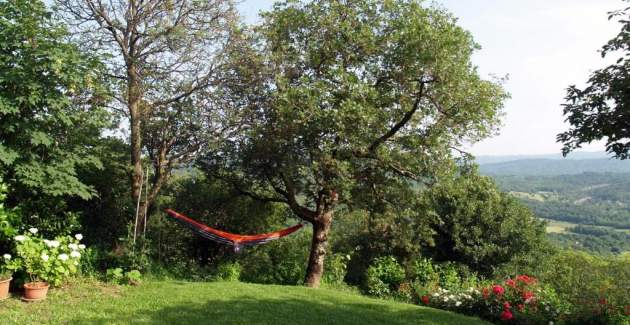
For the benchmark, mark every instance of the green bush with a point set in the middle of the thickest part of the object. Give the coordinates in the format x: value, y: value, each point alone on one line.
x: 120, y: 277
x: 53, y: 261
x: 336, y: 266
x: 384, y: 276
x: 279, y: 262
x: 115, y: 275
x: 597, y: 287
x: 228, y: 271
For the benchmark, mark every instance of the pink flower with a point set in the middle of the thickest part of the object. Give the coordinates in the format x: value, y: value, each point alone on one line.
x: 528, y: 296
x: 498, y: 290
x: 506, y: 315
x: 510, y: 283
x: 506, y: 305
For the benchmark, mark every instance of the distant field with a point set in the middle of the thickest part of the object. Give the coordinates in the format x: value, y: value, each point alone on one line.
x: 558, y: 227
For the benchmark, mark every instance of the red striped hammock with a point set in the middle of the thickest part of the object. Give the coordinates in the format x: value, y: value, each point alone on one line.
x: 228, y: 238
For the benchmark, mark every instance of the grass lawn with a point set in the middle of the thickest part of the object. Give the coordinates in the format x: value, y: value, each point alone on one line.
x: 177, y: 302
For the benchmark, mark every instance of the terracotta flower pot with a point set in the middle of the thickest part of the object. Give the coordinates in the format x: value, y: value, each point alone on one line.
x: 4, y: 288
x: 34, y: 291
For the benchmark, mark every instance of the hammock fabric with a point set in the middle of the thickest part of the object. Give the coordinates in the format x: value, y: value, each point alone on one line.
x: 228, y: 238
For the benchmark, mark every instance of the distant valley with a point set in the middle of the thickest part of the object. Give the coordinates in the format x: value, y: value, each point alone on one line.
x: 584, y: 198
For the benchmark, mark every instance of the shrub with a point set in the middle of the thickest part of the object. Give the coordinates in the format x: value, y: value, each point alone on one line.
x: 280, y: 262
x: 596, y: 287
x: 133, y: 277
x: 229, y: 271
x: 115, y: 275
x: 7, y: 266
x: 384, y: 276
x: 52, y: 261
x: 119, y: 276
x: 336, y: 266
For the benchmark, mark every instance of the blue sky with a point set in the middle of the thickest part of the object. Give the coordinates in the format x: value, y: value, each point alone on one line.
x: 543, y: 45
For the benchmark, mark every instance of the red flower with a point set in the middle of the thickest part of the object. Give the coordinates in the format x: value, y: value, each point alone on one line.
x: 628, y: 310
x: 525, y: 279
x: 527, y: 296
x: 510, y: 283
x: 425, y: 299
x: 506, y: 315
x: 486, y: 293
x: 498, y: 290
x: 602, y: 301
x: 506, y: 305
x: 520, y: 307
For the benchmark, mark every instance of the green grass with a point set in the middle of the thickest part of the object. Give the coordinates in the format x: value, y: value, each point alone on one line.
x: 177, y: 302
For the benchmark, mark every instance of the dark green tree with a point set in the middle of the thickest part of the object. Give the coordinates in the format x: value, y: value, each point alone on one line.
x: 601, y: 110
x: 476, y: 224
x: 345, y: 95
x: 51, y: 104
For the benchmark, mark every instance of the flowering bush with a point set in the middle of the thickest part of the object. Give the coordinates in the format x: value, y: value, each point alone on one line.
x: 52, y: 261
x: 7, y: 265
x: 521, y: 300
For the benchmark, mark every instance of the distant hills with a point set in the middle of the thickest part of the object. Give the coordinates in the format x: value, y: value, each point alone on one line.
x: 552, y: 164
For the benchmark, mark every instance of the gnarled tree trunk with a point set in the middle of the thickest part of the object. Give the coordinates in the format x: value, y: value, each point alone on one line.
x: 319, y: 246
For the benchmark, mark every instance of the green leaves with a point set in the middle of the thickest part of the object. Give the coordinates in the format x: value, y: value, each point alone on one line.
x: 51, y: 110
x: 600, y: 110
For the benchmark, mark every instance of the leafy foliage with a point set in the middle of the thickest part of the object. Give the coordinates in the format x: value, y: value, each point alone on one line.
x: 350, y: 97
x: 51, y: 104
x: 53, y: 261
x: 600, y: 110
x: 478, y: 225
x: 384, y: 276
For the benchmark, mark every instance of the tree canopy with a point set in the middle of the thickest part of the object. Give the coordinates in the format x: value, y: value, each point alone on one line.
x: 350, y: 95
x: 51, y: 103
x: 601, y: 110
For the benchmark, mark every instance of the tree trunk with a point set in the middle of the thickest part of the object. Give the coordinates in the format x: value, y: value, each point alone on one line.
x: 319, y: 246
x: 135, y: 121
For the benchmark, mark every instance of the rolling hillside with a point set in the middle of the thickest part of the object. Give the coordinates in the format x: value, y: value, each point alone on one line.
x: 585, y: 201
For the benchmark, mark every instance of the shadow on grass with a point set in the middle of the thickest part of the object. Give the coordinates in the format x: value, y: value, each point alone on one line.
x: 250, y: 310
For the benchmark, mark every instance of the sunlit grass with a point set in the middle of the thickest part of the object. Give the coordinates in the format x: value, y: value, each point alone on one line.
x: 177, y: 302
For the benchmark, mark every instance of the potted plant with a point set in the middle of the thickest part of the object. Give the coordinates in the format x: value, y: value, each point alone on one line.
x: 47, y: 262
x: 7, y: 266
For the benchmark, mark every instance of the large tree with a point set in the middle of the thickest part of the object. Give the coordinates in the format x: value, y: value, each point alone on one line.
x: 51, y: 104
x: 601, y: 110
x: 164, y: 59
x: 352, y: 95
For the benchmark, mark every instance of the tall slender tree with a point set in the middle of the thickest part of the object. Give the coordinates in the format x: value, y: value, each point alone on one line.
x: 349, y: 95
x: 164, y: 57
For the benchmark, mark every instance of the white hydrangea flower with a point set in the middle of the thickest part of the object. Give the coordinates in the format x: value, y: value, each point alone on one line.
x: 78, y: 236
x: 20, y: 238
x: 7, y: 256
x: 52, y: 243
x: 75, y: 254
x: 63, y: 257
x: 76, y: 263
x: 81, y: 246
x: 458, y: 303
x: 45, y: 257
x: 33, y: 230
x: 73, y: 247
x: 550, y: 322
